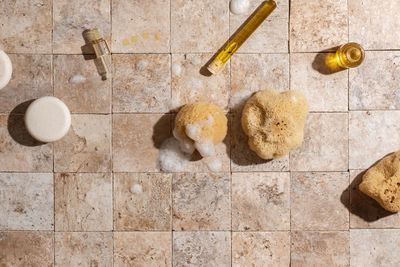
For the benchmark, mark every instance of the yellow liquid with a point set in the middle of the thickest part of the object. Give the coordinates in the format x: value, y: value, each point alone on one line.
x: 350, y: 55
x: 241, y: 35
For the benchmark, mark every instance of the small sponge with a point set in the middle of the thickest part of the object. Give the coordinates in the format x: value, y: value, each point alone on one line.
x: 382, y: 182
x: 274, y: 122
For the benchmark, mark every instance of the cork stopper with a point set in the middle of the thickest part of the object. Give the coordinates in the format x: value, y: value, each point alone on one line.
x: 91, y: 35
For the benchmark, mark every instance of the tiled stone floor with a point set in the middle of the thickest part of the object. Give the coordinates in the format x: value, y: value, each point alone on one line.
x: 97, y: 197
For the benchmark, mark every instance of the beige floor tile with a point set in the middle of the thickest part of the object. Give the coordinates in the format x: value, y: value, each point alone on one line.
x: 84, y: 249
x: 374, y: 85
x: 317, y: 25
x: 83, y: 202
x: 142, y: 249
x: 27, y: 201
x: 142, y: 201
x: 316, y: 201
x: 260, y: 201
x: 375, y: 25
x: 141, y: 26
x: 201, y: 202
x: 25, y: 26
x: 142, y: 83
x: 90, y: 96
x: 199, y: 26
x: 87, y: 146
x: 136, y: 140
x: 325, y: 145
x: 202, y: 249
x: 323, y: 92
x: 320, y: 249
x: 261, y: 249
x: 189, y: 85
x: 31, y: 79
x: 72, y: 17
x: 26, y: 248
x: 372, y: 135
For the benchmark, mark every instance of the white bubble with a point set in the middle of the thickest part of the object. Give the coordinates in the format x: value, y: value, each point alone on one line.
x: 77, y: 79
x: 239, y: 6
x: 136, y: 189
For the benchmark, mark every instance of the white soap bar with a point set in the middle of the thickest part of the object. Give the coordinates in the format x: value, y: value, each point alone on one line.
x: 47, y: 119
x: 5, y: 69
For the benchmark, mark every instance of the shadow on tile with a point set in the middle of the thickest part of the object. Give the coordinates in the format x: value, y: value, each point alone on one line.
x: 325, y: 62
x: 159, y: 130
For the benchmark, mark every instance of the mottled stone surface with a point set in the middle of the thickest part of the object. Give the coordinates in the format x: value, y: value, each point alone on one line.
x: 142, y: 201
x: 316, y: 201
x: 189, y: 85
x: 136, y: 140
x: 323, y: 92
x: 143, y: 24
x: 142, y: 249
x: 201, y: 202
x: 261, y: 249
x: 320, y: 248
x: 325, y: 145
x: 142, y: 83
x: 84, y: 249
x: 26, y: 26
x: 375, y: 84
x: 27, y: 201
x: 72, y: 17
x: 26, y: 248
x: 372, y: 135
x: 86, y: 147
x: 199, y: 26
x: 260, y: 201
x: 317, y: 25
x: 202, y: 249
x: 83, y: 202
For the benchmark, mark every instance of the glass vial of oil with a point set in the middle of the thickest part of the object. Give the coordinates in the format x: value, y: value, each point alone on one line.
x: 350, y: 55
x: 241, y: 35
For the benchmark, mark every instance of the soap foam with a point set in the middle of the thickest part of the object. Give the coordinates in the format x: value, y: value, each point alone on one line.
x: 214, y: 164
x: 206, y: 149
x: 77, y: 79
x: 239, y: 6
x: 136, y: 189
x: 185, y: 145
x: 141, y: 64
x: 170, y: 157
x: 176, y: 69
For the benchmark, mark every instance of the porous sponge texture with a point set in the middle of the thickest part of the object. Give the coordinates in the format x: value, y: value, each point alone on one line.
x: 274, y: 122
x: 382, y: 182
x: 199, y: 112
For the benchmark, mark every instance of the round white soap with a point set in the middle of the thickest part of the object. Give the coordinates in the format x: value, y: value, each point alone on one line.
x: 239, y: 6
x: 5, y: 69
x: 47, y: 119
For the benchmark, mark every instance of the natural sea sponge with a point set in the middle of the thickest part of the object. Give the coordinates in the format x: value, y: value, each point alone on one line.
x: 382, y: 182
x: 274, y: 122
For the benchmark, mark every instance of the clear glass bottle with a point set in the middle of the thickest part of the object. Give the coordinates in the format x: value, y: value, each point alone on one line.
x: 350, y: 55
x: 101, y: 51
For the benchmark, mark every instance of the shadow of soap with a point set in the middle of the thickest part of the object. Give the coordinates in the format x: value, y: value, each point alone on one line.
x: 326, y: 62
x: 16, y: 126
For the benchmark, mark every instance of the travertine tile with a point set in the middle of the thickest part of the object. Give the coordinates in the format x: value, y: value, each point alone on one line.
x: 375, y: 25
x: 141, y: 26
x: 323, y: 92
x: 26, y: 248
x: 72, y: 17
x: 372, y: 136
x: 19, y: 152
x: 25, y: 26
x: 201, y: 201
x: 202, y: 249
x: 320, y: 249
x: 91, y: 96
x: 86, y: 147
x: 271, y: 36
x: 199, y: 26
x: 31, y: 79
x: 374, y: 85
x: 27, y: 201
x: 261, y: 201
x: 142, y: 83
x: 261, y: 249
x: 84, y: 249
x: 316, y: 201
x: 142, y: 249
x: 136, y: 139
x: 370, y: 248
x: 142, y: 201
x: 317, y: 25
x: 325, y: 145
x: 83, y: 202
x: 189, y: 85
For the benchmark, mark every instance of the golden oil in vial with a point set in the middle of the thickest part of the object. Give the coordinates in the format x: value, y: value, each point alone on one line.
x: 350, y: 55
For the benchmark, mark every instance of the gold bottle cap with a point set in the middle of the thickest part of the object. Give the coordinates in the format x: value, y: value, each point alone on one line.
x: 91, y: 35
